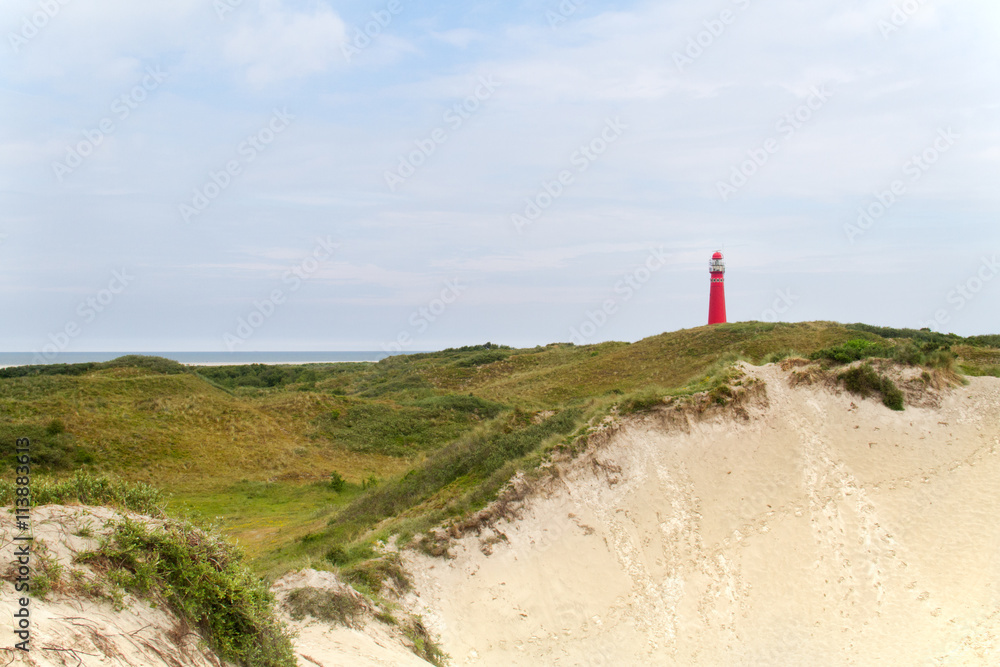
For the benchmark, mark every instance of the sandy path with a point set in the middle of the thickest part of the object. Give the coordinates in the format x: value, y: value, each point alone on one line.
x: 827, y: 530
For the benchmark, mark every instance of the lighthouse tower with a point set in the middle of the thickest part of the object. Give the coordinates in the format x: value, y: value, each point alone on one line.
x: 717, y: 297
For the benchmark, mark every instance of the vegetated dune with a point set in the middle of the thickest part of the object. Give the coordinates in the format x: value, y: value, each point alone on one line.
x: 802, y: 526
x: 70, y: 626
x: 785, y: 522
x: 77, y: 623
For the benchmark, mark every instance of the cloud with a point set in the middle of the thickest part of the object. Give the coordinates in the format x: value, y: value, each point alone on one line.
x: 552, y: 258
x: 459, y: 37
x: 279, y: 44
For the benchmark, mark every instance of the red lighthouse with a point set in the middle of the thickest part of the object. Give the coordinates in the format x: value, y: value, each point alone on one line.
x: 717, y: 297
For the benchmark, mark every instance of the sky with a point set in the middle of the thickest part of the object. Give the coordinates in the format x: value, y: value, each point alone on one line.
x: 260, y: 175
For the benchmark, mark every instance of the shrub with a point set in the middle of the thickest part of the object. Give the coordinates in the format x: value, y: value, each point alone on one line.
x: 865, y: 381
x: 892, y: 397
x: 337, y: 482
x: 461, y: 403
x: 483, y: 358
x: 52, y: 448
x: 854, y: 350
x: 204, y: 580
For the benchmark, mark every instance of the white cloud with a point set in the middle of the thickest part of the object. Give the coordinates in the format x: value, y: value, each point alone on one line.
x: 460, y: 37
x: 279, y: 44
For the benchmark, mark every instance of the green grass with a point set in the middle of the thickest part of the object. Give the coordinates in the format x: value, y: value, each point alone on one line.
x: 373, y: 575
x: 263, y: 516
x: 253, y: 448
x: 401, y: 430
x: 86, y: 489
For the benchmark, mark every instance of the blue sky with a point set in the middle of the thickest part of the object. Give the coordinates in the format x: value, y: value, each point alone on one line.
x: 266, y: 175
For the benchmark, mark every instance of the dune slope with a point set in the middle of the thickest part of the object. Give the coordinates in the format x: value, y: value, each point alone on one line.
x: 819, y: 529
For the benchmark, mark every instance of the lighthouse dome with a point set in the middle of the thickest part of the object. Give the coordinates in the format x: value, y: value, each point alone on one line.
x: 717, y: 255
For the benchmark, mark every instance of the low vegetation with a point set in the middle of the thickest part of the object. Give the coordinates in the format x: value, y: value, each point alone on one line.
x: 339, y: 607
x: 203, y: 579
x: 85, y: 489
x: 865, y: 381
x: 325, y: 464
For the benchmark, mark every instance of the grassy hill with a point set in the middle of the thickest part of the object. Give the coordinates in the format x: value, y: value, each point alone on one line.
x: 409, y: 441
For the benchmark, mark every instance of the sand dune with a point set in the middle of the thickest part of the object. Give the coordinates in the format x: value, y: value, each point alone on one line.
x: 805, y: 527
x: 69, y: 628
x: 823, y: 529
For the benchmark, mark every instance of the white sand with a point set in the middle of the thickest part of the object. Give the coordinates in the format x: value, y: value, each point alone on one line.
x: 826, y: 530
x: 321, y: 643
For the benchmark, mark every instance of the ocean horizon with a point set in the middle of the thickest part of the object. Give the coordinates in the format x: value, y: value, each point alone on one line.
x: 8, y: 359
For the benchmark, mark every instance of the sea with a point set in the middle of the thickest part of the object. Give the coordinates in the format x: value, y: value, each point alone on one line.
x: 196, y: 358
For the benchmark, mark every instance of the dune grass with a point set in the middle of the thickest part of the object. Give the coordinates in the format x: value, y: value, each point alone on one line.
x: 252, y: 448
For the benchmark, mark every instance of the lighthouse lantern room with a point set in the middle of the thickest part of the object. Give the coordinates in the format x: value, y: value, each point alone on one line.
x: 717, y: 295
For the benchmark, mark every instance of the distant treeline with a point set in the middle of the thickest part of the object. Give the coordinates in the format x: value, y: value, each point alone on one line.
x: 258, y: 375
x: 154, y: 364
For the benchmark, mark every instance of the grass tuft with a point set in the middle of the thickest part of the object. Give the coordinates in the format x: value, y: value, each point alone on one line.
x: 340, y: 607
x: 87, y: 489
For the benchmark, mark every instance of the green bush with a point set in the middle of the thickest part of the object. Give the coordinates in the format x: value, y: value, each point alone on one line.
x: 462, y: 403
x: 483, y: 358
x: 921, y: 335
x: 204, y: 580
x: 262, y: 375
x: 892, y: 397
x: 865, y: 381
x: 854, y: 350
x: 52, y: 448
x: 337, y: 482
